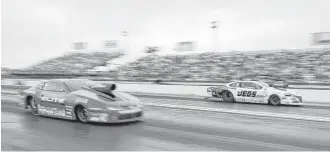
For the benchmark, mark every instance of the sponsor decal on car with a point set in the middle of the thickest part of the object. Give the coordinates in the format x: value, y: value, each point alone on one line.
x: 103, y: 118
x: 245, y: 93
x: 249, y: 100
x: 99, y: 119
x: 81, y: 100
x: 94, y: 119
x: 261, y: 96
x: 68, y: 111
x: 51, y: 111
x: 98, y: 114
x: 52, y: 100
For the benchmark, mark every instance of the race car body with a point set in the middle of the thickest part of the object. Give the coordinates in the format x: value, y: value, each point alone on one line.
x: 81, y: 100
x: 255, y: 92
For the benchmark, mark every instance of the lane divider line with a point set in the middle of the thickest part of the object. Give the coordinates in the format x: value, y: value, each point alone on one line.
x: 243, y: 112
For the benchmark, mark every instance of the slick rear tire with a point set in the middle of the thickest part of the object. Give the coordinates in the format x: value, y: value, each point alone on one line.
x: 227, y: 96
x: 33, y: 106
x: 274, y: 100
x: 81, y: 114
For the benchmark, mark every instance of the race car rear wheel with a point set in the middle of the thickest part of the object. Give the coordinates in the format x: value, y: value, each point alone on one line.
x: 81, y: 114
x: 274, y: 100
x: 33, y: 105
x: 227, y: 96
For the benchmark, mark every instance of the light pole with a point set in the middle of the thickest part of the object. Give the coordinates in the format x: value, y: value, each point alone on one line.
x: 125, y: 35
x: 214, y: 27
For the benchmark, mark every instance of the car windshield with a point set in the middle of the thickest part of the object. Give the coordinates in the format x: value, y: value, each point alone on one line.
x: 264, y: 84
x: 75, y: 85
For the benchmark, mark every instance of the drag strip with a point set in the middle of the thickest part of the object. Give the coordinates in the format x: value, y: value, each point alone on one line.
x: 259, y: 110
x: 239, y: 108
x: 162, y: 129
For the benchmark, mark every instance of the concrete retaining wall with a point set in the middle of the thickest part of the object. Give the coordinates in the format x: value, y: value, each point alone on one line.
x: 309, y: 95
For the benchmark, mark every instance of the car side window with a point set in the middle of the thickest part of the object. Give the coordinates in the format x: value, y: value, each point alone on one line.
x: 257, y: 86
x: 53, y: 86
x: 251, y: 85
x: 234, y: 85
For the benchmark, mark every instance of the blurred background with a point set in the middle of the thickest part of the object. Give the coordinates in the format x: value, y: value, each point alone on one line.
x: 186, y: 40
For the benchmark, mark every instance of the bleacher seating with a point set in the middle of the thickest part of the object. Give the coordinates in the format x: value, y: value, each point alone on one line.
x: 295, y: 66
x: 75, y: 62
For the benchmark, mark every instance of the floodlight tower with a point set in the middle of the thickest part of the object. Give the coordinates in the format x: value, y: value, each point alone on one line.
x: 214, y: 37
x: 125, y: 39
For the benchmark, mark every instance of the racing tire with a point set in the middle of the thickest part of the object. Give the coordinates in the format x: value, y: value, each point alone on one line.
x: 81, y: 114
x: 227, y: 96
x: 33, y: 106
x: 274, y: 100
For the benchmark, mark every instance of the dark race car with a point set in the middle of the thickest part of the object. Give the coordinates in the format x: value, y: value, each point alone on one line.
x: 81, y: 100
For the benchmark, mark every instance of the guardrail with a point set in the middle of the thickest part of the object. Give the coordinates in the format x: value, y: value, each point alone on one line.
x: 104, y: 77
x: 312, y: 96
x: 202, y: 84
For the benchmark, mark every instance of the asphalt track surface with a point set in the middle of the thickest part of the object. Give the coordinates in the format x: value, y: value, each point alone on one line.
x: 169, y: 129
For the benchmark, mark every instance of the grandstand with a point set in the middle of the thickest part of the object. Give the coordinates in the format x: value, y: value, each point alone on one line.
x: 75, y: 62
x: 295, y: 66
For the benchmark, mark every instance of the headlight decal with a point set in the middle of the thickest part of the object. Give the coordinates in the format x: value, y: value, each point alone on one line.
x: 113, y: 109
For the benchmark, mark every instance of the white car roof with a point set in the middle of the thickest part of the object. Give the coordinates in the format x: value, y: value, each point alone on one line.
x: 246, y: 81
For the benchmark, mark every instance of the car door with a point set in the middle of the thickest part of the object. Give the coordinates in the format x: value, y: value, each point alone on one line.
x: 248, y: 91
x: 52, y: 98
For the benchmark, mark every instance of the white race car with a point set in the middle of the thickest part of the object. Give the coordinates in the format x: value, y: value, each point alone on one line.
x: 255, y: 92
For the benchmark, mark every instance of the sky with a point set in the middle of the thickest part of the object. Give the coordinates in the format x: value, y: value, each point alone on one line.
x: 35, y: 30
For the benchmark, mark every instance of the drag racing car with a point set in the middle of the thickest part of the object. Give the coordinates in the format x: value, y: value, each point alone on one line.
x: 82, y: 100
x: 254, y: 92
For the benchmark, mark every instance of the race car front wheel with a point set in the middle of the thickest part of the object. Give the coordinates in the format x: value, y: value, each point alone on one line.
x: 227, y: 96
x: 274, y: 100
x: 81, y: 114
x: 33, y: 106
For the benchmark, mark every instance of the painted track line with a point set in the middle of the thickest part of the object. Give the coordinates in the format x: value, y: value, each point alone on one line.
x: 243, y: 112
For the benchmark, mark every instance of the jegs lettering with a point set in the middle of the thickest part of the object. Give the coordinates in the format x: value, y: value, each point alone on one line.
x: 245, y: 93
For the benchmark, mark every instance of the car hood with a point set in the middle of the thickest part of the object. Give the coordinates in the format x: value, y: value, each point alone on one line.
x: 121, y: 99
x: 125, y: 99
x: 282, y: 90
